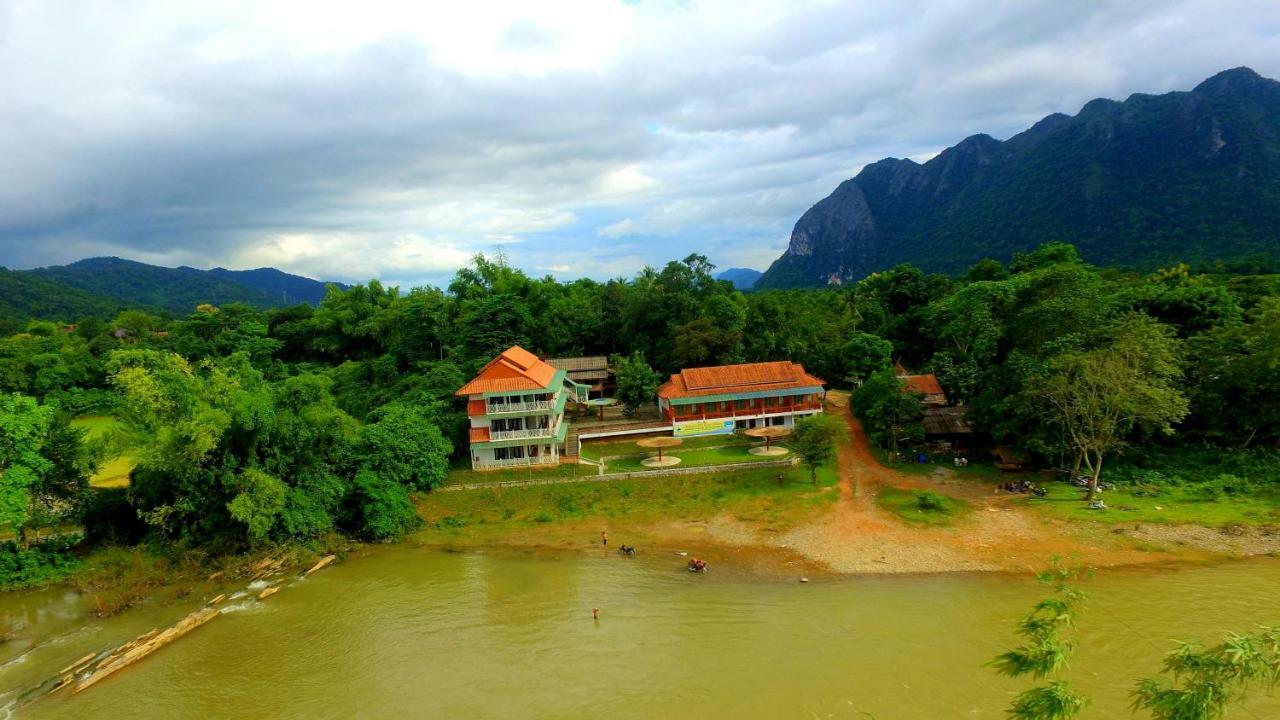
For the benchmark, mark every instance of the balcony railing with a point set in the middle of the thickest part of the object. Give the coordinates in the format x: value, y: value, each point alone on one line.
x: 520, y: 407
x: 529, y: 433
x: 744, y: 412
x: 546, y: 459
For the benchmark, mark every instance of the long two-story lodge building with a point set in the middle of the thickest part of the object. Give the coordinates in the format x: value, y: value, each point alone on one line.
x: 722, y: 399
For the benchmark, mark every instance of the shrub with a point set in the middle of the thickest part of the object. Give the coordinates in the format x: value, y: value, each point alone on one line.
x: 931, y: 501
x: 45, y: 562
x: 452, y: 521
x: 566, y: 505
x: 381, y: 509
x: 119, y: 577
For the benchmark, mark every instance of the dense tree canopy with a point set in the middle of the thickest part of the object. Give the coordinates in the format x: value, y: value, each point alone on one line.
x: 294, y: 422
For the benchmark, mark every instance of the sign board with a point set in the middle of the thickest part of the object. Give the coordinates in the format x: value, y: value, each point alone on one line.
x: 704, y: 427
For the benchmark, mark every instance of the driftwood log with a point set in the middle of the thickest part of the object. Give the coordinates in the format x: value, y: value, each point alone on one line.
x: 132, y: 652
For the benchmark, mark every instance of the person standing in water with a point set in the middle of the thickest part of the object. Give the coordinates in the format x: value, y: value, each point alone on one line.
x: 604, y: 538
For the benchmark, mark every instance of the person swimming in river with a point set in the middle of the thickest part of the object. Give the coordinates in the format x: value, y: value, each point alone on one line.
x: 627, y: 549
x: 696, y: 565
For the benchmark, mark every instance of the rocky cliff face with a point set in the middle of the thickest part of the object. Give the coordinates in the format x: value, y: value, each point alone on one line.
x: 1151, y: 180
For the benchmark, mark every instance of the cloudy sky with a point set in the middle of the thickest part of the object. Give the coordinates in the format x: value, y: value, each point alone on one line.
x: 371, y: 139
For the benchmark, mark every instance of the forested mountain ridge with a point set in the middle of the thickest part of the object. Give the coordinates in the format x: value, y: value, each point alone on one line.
x: 180, y: 289
x: 1150, y: 181
x: 24, y: 296
x: 277, y: 286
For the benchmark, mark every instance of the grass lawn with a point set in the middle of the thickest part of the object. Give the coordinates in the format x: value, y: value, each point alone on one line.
x: 475, y: 516
x: 921, y: 507
x: 625, y: 456
x: 114, y: 471
x: 691, y: 458
x: 1170, y: 505
x: 597, y: 449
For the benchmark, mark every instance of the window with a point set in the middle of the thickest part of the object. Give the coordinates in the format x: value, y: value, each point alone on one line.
x: 777, y: 421
x: 740, y: 404
x: 533, y: 451
x: 500, y: 454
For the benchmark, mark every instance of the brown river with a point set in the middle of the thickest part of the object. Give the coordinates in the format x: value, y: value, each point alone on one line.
x: 407, y: 632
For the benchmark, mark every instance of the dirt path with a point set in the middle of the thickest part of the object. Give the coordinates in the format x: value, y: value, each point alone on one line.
x: 859, y: 537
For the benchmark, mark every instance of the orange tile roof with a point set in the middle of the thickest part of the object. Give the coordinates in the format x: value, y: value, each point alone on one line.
x: 479, y: 434
x: 515, y: 370
x: 729, y: 379
x: 926, y: 384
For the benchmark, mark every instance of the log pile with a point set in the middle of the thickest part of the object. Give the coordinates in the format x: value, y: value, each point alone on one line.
x: 144, y: 645
x: 94, y: 667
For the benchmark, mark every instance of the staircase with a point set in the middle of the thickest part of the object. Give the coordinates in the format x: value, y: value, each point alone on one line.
x: 570, y: 453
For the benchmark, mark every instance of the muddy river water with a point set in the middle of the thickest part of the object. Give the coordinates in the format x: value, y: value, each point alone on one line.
x: 416, y: 632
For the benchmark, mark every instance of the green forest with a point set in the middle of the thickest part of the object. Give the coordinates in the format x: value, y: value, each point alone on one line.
x: 253, y: 428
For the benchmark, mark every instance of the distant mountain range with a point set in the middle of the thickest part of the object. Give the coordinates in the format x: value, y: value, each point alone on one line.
x: 742, y: 278
x: 103, y: 286
x: 1153, y: 180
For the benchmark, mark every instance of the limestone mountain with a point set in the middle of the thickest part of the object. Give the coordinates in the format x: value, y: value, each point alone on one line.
x: 1152, y: 180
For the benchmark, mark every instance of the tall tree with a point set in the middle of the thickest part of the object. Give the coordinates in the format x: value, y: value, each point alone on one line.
x: 637, y: 382
x: 1098, y: 397
x: 888, y: 410
x: 24, y: 424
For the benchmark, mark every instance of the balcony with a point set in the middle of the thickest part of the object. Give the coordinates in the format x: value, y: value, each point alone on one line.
x: 515, y: 462
x: 525, y: 434
x: 521, y: 407
x: 735, y: 412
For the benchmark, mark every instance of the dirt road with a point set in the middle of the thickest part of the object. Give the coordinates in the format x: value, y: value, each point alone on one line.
x: 859, y: 537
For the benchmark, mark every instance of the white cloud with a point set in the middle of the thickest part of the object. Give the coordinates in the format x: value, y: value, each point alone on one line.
x: 355, y: 258
x: 625, y: 181
x: 620, y: 229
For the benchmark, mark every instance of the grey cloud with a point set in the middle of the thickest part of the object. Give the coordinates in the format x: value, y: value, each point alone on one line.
x: 153, y: 147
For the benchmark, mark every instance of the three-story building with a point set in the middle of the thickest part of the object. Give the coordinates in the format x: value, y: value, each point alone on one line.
x: 516, y: 408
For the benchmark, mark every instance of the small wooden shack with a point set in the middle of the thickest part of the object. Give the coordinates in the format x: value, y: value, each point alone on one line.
x: 946, y: 428
x: 591, y: 370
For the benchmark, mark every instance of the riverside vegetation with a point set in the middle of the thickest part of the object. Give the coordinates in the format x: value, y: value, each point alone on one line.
x: 304, y: 425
